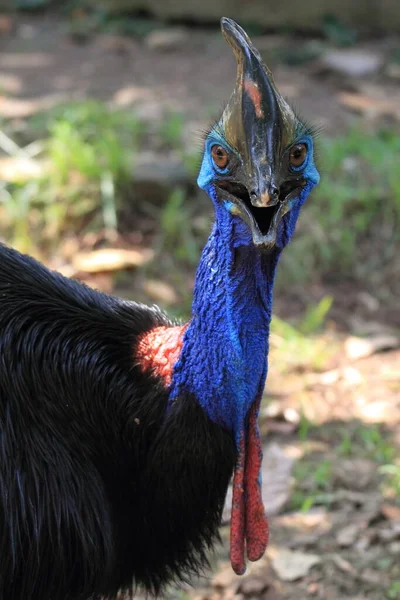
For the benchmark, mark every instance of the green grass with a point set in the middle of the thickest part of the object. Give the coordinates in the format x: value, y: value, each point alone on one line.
x: 393, y: 593
x: 312, y: 484
x: 313, y: 476
x: 348, y: 226
x: 88, y: 150
x: 298, y: 346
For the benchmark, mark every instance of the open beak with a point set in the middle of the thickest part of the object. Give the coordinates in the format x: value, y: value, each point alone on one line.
x: 264, y: 213
x: 259, y: 123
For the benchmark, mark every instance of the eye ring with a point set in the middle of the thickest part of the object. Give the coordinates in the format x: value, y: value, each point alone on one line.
x: 220, y: 156
x: 298, y: 155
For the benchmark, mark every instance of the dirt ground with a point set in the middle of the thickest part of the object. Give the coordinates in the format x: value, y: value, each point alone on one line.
x: 347, y: 544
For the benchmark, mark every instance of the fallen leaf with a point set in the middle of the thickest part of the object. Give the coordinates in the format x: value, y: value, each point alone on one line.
x: 17, y: 169
x: 343, y: 564
x: 110, y: 259
x: 390, y: 512
x: 14, y: 108
x: 158, y: 290
x: 254, y: 585
x: 356, y: 347
x: 289, y: 565
x: 365, y: 104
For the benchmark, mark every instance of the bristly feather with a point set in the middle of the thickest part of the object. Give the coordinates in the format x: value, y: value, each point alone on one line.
x: 98, y: 488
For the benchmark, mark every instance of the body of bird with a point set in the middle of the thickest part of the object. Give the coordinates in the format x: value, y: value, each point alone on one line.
x: 119, y: 429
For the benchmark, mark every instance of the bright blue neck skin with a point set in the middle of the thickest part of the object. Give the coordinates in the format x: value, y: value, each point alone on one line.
x: 225, y: 350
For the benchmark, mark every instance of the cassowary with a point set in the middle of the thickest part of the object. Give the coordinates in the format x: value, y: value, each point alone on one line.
x: 119, y: 429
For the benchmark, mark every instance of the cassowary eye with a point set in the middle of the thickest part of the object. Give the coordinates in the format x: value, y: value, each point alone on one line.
x: 298, y: 155
x: 219, y: 156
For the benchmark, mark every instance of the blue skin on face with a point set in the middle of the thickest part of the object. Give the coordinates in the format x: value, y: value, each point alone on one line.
x: 224, y: 355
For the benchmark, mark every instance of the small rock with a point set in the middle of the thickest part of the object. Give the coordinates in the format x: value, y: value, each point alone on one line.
x: 156, y: 175
x: 289, y: 565
x: 352, y: 376
x: 329, y: 377
x: 253, y: 586
x: 355, y: 473
x: 356, y: 347
x: 167, y: 39
x: 348, y: 535
x: 393, y: 71
x: 353, y: 63
x: 291, y: 415
x: 394, y: 548
x: 370, y: 302
x: 389, y: 535
x: 372, y: 577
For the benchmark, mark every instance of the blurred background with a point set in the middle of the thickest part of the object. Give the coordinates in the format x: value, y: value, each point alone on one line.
x: 102, y: 108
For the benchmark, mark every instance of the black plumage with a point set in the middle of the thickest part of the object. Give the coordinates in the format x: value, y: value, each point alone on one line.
x: 96, y: 478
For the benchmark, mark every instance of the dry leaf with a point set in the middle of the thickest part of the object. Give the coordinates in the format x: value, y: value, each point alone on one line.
x: 343, y: 564
x: 365, y: 104
x: 16, y: 169
x: 158, y: 290
x: 110, y: 259
x: 390, y: 512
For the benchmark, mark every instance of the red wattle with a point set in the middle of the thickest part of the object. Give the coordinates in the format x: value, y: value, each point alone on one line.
x: 249, y: 523
x: 257, y: 529
x: 237, y: 542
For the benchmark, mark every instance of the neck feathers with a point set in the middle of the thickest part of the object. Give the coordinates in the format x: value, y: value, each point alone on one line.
x: 225, y: 347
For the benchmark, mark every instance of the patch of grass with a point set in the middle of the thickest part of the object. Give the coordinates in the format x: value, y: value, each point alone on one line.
x: 88, y: 154
x: 295, y: 347
x: 393, y: 593
x: 373, y: 443
x: 350, y: 223
x: 312, y: 484
x: 171, y: 130
x: 178, y: 229
x: 367, y: 441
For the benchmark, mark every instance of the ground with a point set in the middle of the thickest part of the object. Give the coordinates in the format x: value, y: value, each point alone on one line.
x: 331, y: 415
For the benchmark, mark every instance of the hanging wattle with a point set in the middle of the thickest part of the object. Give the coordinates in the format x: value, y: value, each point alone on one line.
x: 249, y: 523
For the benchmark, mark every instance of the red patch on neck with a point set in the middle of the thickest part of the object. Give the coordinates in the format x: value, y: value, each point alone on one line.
x: 159, y: 349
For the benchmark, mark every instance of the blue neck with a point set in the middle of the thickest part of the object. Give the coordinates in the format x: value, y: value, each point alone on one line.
x: 224, y: 355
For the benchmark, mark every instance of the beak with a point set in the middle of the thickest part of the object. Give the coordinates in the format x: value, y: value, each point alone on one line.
x: 259, y: 124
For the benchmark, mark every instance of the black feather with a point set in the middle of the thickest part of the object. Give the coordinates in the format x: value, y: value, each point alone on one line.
x: 101, y: 487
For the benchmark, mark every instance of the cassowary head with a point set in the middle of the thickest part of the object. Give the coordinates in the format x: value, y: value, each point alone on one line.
x: 258, y: 161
